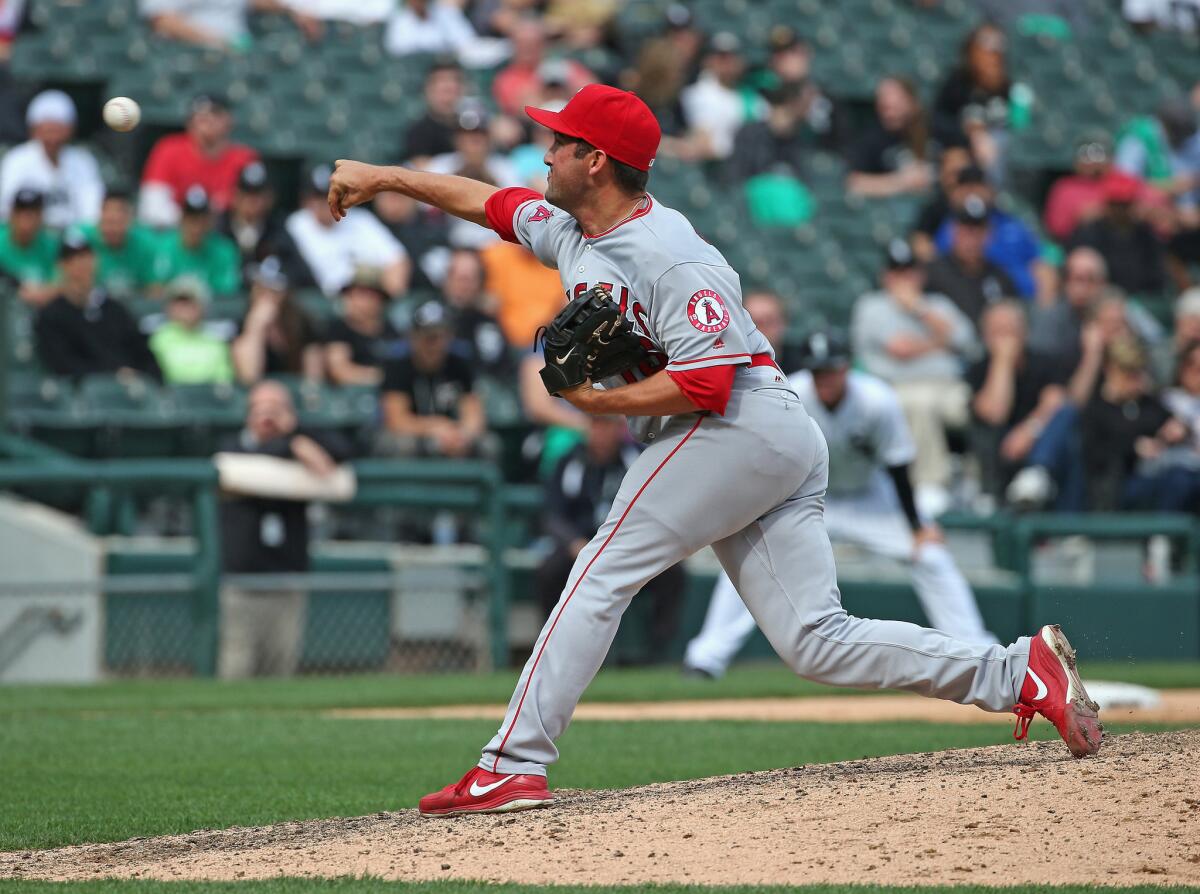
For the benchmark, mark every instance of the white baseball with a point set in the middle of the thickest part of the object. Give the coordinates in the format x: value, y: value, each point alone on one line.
x: 122, y: 114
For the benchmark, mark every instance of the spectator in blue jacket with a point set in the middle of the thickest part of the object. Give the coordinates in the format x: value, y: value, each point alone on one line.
x: 1012, y: 245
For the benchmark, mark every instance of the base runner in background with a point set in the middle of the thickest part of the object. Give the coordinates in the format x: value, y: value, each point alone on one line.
x: 734, y: 461
x: 869, y: 502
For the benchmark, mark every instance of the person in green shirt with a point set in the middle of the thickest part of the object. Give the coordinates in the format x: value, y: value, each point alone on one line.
x: 195, y: 249
x: 28, y: 251
x: 125, y: 252
x: 187, y: 353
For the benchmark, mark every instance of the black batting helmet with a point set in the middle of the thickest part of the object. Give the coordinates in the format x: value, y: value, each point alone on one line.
x: 825, y: 349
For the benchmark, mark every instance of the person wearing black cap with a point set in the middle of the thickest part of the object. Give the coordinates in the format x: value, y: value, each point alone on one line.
x: 327, y: 256
x: 250, y: 221
x: 83, y: 331
x: 193, y: 249
x: 716, y: 106
x: 918, y: 343
x: 428, y: 399
x: 125, y: 251
x: 28, y: 251
x: 964, y: 274
x: 789, y: 63
x: 433, y: 133
x: 277, y: 336
x: 1011, y: 244
x: 362, y: 339
x: 204, y: 155
x: 779, y: 145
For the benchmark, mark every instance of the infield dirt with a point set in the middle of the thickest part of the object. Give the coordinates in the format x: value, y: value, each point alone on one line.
x: 1021, y: 813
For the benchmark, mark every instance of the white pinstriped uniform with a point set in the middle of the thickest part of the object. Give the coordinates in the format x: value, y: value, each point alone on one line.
x: 866, y: 434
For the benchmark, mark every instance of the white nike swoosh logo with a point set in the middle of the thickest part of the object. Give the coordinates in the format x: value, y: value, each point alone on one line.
x: 478, y: 791
x: 1041, y: 692
x: 565, y: 357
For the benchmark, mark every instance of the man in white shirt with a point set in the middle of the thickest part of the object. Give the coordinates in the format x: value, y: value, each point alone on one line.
x: 331, y: 253
x: 67, y: 176
x: 220, y: 24
x: 428, y: 26
x: 713, y: 108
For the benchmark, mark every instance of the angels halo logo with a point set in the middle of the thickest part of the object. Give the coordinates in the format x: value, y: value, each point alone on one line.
x: 707, y: 312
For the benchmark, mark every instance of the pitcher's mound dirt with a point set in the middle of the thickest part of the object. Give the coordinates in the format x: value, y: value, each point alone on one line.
x: 1021, y: 813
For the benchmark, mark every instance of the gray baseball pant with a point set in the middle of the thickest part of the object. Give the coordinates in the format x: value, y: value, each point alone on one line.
x: 752, y: 484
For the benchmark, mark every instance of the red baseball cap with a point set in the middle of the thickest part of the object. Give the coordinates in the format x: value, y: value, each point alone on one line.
x: 613, y: 120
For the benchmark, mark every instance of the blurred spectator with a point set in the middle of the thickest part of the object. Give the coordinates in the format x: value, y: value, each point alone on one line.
x: 1133, y: 253
x: 1186, y: 330
x: 202, y: 155
x: 1011, y: 245
x: 789, y: 62
x: 1016, y: 393
x: 1123, y: 423
x: 194, y: 249
x: 558, y: 425
x: 918, y: 342
x: 528, y: 159
x: 521, y: 83
x: 1057, y: 328
x: 779, y: 145
x: 952, y: 161
x: 714, y: 108
x: 1183, y: 401
x: 12, y: 16
x: 250, y: 221
x: 979, y: 101
x: 1167, y: 15
x: 964, y: 274
x: 429, y: 403
x: 528, y: 293
x: 473, y: 157
x: 1079, y: 197
x: 220, y: 25
x: 362, y: 339
x: 28, y: 251
x: 360, y: 12
x: 84, y: 331
x: 424, y: 232
x: 67, y: 176
x: 331, y: 253
x: 578, y: 497
x: 767, y: 313
x: 277, y: 337
x: 469, y: 306
x: 186, y: 351
x: 428, y: 26
x: 665, y: 65
x: 262, y: 628
x: 126, y: 252
x: 1164, y: 149
x: 433, y: 133
x: 580, y: 24
x: 893, y: 156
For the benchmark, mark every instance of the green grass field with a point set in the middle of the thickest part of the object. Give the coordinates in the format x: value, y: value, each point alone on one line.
x: 150, y: 758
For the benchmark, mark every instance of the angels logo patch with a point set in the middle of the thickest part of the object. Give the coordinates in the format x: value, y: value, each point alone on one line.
x: 707, y: 312
x: 540, y: 213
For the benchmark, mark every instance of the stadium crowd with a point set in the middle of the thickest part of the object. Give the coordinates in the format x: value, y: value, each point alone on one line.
x: 1023, y: 351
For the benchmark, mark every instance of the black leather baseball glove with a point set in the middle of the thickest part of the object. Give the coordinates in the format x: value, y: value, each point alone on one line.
x: 589, y: 339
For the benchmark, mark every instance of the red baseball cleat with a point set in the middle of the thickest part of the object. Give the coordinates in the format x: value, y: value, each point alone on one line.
x: 1053, y: 689
x: 482, y: 791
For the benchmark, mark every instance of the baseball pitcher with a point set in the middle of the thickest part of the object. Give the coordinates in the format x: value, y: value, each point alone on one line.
x: 869, y: 502
x: 733, y: 459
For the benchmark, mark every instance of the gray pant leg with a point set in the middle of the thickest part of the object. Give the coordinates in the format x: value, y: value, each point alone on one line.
x: 282, y: 615
x: 782, y: 565
x: 237, y: 655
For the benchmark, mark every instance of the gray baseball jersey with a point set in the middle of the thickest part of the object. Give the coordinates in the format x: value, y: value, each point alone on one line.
x: 750, y: 481
x: 676, y: 290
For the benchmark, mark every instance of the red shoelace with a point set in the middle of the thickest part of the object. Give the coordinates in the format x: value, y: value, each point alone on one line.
x: 1025, y: 715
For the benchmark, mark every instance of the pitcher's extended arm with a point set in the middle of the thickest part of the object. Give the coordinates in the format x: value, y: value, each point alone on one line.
x: 354, y: 182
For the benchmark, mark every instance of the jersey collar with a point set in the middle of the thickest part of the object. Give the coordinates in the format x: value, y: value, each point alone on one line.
x: 641, y: 210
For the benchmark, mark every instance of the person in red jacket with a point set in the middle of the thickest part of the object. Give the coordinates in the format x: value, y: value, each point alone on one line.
x: 202, y: 155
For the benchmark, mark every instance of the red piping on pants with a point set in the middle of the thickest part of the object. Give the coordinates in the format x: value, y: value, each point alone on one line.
x: 607, y: 540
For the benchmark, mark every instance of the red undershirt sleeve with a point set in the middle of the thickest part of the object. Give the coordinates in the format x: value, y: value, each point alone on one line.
x: 501, y: 207
x: 708, y: 387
